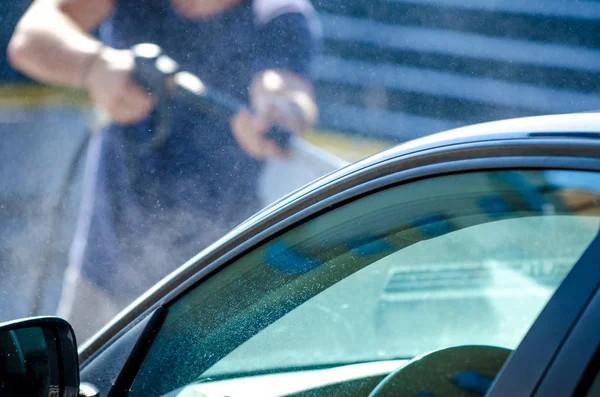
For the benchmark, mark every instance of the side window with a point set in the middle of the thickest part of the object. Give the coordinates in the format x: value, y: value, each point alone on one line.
x: 460, y: 259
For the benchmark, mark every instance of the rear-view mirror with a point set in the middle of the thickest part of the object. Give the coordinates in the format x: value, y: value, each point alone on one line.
x: 38, y: 358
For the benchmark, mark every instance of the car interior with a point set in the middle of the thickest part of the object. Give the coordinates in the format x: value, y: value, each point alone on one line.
x: 281, y: 298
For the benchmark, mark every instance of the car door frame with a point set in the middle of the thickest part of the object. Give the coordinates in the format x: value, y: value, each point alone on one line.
x: 502, y: 152
x: 556, y: 337
x: 577, y: 363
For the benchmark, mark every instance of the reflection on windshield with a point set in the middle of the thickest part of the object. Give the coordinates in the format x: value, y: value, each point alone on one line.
x: 393, y: 275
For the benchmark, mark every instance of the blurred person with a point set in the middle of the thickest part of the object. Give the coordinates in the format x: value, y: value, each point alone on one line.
x: 147, y: 210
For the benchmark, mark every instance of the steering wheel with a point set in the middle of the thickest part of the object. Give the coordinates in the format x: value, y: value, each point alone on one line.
x: 462, y: 371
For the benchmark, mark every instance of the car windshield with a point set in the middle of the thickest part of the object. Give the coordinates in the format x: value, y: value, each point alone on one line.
x: 390, y: 276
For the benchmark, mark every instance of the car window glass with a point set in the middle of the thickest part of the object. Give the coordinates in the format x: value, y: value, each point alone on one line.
x: 389, y: 276
x: 431, y: 295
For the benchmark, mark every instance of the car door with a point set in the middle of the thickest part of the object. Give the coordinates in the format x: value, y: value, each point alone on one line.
x: 573, y: 363
x: 454, y: 244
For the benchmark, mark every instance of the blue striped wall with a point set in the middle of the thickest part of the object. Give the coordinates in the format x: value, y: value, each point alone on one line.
x: 401, y: 69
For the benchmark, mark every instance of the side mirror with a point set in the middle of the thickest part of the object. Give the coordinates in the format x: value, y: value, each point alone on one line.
x: 38, y: 358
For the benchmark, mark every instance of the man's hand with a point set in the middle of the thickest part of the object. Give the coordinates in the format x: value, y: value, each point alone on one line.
x: 277, y: 97
x: 249, y: 130
x: 111, y: 85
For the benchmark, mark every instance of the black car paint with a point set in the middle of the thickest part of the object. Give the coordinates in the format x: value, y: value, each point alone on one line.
x: 578, y: 355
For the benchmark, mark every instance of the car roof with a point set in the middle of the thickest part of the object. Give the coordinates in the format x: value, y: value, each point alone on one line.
x: 573, y: 125
x: 566, y: 126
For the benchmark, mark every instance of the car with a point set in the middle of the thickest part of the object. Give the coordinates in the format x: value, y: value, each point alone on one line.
x: 475, y: 249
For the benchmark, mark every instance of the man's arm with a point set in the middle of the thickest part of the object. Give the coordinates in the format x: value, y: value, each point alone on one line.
x: 286, y: 98
x: 277, y: 96
x: 51, y: 44
x: 281, y: 90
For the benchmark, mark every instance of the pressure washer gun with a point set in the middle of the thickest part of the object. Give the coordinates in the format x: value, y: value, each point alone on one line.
x: 162, y: 77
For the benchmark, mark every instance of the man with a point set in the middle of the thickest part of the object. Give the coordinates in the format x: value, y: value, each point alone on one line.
x: 147, y: 209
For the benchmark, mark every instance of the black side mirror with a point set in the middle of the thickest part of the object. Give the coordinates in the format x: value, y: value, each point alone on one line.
x: 38, y: 358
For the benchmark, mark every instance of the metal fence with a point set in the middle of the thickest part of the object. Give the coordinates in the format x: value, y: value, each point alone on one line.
x: 401, y: 69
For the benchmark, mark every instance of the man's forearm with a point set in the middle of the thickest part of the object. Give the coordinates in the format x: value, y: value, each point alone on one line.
x: 50, y: 47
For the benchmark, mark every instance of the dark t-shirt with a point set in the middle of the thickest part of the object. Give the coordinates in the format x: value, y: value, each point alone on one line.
x: 145, y: 210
